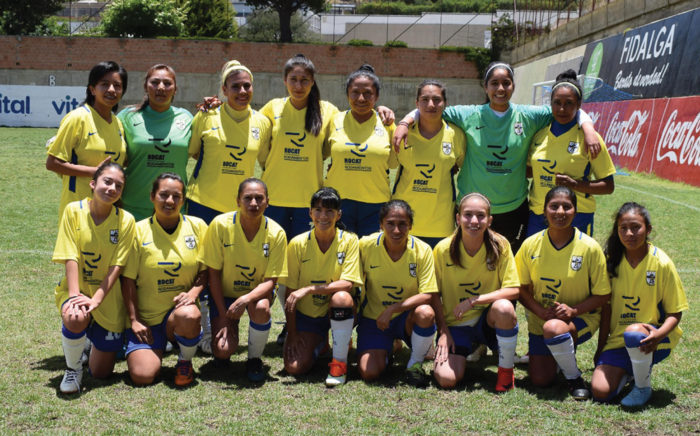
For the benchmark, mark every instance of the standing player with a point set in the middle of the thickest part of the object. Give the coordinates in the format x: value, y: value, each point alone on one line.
x: 557, y: 158
x: 94, y: 239
x: 89, y: 135
x: 360, y: 148
x: 433, y: 152
x: 324, y: 264
x: 161, y: 283
x: 157, y: 136
x: 246, y: 253
x: 563, y: 283
x: 477, y: 279
x: 640, y: 326
x: 399, y: 277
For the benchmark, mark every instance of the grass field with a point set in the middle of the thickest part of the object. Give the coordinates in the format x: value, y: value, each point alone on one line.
x: 32, y: 363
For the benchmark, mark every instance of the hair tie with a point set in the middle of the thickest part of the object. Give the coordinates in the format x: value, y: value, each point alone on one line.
x: 499, y: 65
x: 231, y: 66
x: 565, y: 84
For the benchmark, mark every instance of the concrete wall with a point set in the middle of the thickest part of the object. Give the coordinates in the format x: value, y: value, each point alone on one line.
x: 32, y: 60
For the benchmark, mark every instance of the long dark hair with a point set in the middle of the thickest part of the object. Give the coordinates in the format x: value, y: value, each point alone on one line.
x: 167, y: 175
x: 247, y: 182
x: 141, y: 106
x: 313, y: 121
x: 432, y: 82
x: 395, y: 204
x: 494, y: 242
x: 330, y: 199
x: 614, y: 249
x: 560, y: 189
x: 98, y: 72
x: 493, y: 66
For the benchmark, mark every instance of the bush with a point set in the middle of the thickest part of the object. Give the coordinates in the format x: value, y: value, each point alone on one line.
x: 360, y: 42
x: 395, y: 43
x: 480, y: 56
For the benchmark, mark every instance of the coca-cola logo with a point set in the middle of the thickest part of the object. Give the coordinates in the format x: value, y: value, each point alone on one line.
x: 680, y: 141
x: 623, y: 136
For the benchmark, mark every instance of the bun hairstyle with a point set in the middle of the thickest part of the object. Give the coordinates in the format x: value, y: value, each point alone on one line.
x: 366, y: 70
x: 97, y: 73
x: 569, y: 79
x: 614, y: 249
x: 494, y: 242
x: 313, y: 121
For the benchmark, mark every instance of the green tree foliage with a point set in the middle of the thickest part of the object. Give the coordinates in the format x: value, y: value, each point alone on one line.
x: 263, y: 26
x: 143, y: 19
x: 286, y: 9
x: 210, y: 18
x: 23, y: 17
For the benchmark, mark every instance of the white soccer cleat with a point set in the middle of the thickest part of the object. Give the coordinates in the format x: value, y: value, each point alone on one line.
x: 71, y: 381
x: 475, y: 356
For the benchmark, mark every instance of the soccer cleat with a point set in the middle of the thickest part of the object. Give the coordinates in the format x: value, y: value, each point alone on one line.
x: 476, y: 355
x: 415, y: 376
x: 282, y: 336
x: 578, y: 389
x: 637, y: 397
x: 184, y: 374
x: 254, y: 370
x: 71, y: 381
x: 506, y: 380
x: 337, y: 373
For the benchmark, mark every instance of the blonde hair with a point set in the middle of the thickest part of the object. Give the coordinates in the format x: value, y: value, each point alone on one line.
x: 493, y: 242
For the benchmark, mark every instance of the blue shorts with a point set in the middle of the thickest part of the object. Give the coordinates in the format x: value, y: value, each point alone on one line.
x: 103, y: 339
x: 582, y: 221
x: 213, y: 311
x: 319, y: 326
x: 467, y: 338
x: 359, y: 217
x: 619, y: 357
x: 294, y: 220
x: 537, y: 347
x: 430, y: 241
x: 158, y: 333
x: 369, y: 337
x: 201, y: 211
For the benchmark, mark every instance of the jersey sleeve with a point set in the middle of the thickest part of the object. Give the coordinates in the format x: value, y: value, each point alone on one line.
x: 66, y: 247
x: 599, y: 281
x: 265, y: 140
x: 507, y: 271
x: 460, y: 146
x: 522, y: 264
x: 199, y: 226
x: 673, y: 298
x: 458, y: 114
x: 293, y: 263
x: 277, y: 264
x: 126, y: 239
x: 131, y: 269
x: 195, y: 145
x: 69, y: 133
x: 426, y: 271
x: 351, y: 265
x: 541, y: 116
x: 210, y: 254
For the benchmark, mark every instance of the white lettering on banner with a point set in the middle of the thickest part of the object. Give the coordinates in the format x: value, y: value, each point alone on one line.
x: 595, y: 116
x: 37, y: 106
x: 644, y: 46
x: 681, y: 139
x: 656, y: 77
x: 622, y: 137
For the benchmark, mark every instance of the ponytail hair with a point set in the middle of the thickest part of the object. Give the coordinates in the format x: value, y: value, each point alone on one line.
x: 313, y: 121
x: 494, y: 242
x: 98, y: 72
x: 614, y: 249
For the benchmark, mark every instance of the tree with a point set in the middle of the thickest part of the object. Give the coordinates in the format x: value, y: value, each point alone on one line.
x: 263, y: 26
x: 23, y: 17
x: 210, y: 18
x: 143, y: 19
x: 286, y: 9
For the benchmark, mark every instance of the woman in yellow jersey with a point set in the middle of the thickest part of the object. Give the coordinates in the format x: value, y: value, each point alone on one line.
x: 399, y: 278
x: 324, y: 265
x: 246, y: 253
x: 639, y: 327
x: 431, y: 155
x: 477, y: 279
x: 226, y: 142
x: 557, y: 157
x: 361, y: 154
x: 89, y: 135
x: 94, y: 239
x: 563, y: 283
x: 161, y: 283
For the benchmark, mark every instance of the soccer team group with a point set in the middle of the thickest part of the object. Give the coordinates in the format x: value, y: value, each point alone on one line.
x: 459, y: 238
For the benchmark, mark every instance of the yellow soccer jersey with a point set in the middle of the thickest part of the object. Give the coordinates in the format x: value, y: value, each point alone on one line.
x: 568, y: 275
x: 309, y: 266
x: 425, y: 179
x: 85, y: 138
x: 163, y: 264
x: 388, y: 282
x: 645, y: 294
x: 244, y: 264
x: 226, y: 152
x: 361, y: 155
x: 293, y: 168
x: 456, y: 284
x: 95, y: 248
x: 565, y: 154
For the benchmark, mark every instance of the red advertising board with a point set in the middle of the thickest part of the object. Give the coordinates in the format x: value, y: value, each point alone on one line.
x: 660, y: 136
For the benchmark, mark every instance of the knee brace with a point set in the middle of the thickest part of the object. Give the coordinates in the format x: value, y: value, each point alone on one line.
x: 341, y: 313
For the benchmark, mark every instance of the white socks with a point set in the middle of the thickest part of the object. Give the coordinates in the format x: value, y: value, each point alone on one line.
x: 563, y: 351
x: 257, y: 338
x: 507, y: 340
x: 421, y: 339
x: 188, y: 347
x: 641, y: 362
x: 73, y: 344
x: 342, y: 333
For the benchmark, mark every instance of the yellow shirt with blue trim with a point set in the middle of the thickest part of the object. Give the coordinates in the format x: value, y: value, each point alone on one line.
x: 309, y: 266
x: 425, y: 178
x: 473, y: 278
x: 85, y: 138
x: 243, y: 264
x: 361, y: 155
x: 645, y: 294
x: 567, y: 275
x: 293, y: 163
x: 388, y: 282
x: 226, y: 151
x: 95, y: 248
x: 164, y: 264
x: 565, y: 154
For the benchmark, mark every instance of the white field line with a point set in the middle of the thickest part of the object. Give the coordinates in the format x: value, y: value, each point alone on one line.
x: 695, y: 208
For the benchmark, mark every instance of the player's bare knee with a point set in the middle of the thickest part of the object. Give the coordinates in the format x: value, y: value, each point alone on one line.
x: 341, y: 299
x: 424, y: 315
x: 637, y: 328
x: 188, y: 316
x: 260, y: 313
x: 554, y: 327
x: 445, y: 379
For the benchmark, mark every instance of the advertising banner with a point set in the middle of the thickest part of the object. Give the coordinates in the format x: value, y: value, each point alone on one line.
x: 37, y: 106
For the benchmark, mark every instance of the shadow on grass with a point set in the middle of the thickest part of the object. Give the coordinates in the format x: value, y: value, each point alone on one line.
x: 660, y: 399
x: 231, y: 373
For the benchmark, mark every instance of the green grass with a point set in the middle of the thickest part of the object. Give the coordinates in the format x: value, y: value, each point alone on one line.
x: 31, y: 364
